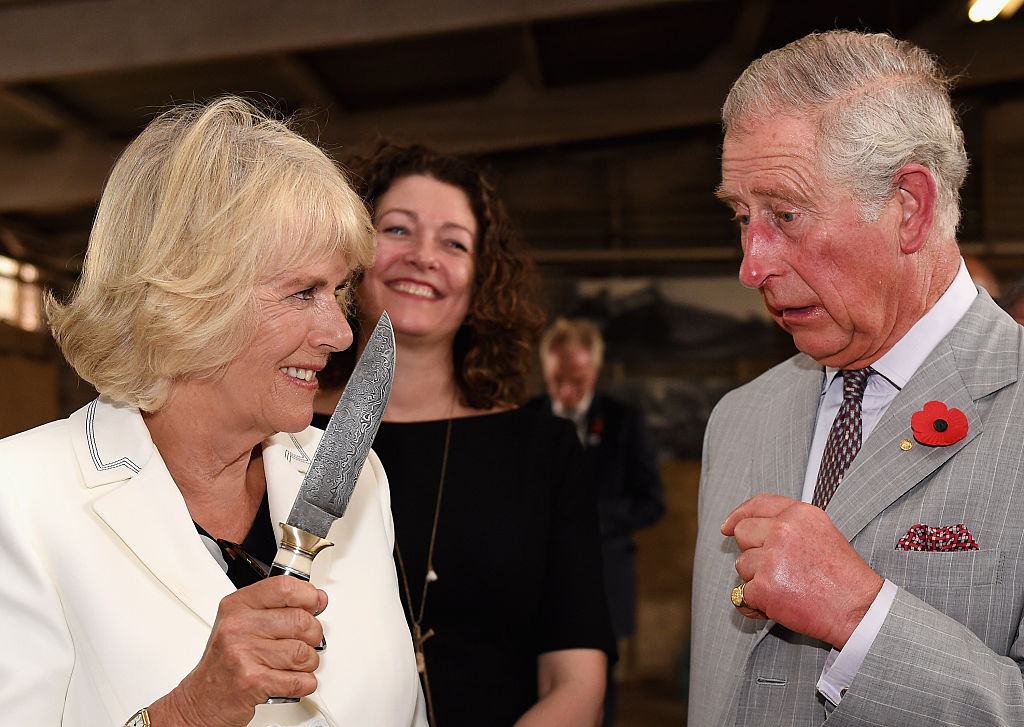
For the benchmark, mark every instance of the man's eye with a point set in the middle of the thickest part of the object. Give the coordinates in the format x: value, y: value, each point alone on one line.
x: 786, y: 216
x: 306, y: 294
x: 742, y: 220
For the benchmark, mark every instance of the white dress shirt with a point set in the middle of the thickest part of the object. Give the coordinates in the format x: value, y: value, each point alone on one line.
x: 577, y: 416
x: 892, y: 372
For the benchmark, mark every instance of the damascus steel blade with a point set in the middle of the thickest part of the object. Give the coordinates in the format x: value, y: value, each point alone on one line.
x: 332, y: 476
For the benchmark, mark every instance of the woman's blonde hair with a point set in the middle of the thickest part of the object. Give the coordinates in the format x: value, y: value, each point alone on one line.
x: 208, y: 202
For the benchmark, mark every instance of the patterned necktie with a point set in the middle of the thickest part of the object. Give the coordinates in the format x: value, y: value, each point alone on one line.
x: 845, y: 438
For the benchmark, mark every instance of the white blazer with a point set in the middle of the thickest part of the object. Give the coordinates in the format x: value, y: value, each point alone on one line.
x: 108, y: 595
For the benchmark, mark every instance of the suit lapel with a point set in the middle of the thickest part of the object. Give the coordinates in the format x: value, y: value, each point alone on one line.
x: 789, y: 428
x: 978, y: 358
x: 595, y: 426
x: 788, y: 431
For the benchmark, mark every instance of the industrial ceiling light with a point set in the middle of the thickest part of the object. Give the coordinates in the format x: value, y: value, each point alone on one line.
x: 988, y: 9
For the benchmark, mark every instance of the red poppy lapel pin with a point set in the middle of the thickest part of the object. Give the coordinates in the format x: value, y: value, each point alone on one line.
x: 938, y: 426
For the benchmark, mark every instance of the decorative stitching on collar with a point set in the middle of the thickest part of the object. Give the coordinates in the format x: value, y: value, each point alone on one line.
x: 301, y: 456
x: 94, y: 450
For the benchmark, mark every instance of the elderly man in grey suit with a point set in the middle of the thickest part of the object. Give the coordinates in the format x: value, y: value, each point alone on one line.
x: 861, y: 504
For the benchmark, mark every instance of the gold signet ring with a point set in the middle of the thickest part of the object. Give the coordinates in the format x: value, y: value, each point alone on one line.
x: 737, y: 597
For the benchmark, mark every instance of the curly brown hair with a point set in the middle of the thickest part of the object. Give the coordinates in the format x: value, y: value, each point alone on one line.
x: 493, y: 349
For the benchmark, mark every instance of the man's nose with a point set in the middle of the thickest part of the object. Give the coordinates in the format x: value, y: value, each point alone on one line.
x: 762, y: 254
x: 568, y: 392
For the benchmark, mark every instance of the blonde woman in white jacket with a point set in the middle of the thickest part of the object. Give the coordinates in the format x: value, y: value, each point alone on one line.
x: 208, y: 301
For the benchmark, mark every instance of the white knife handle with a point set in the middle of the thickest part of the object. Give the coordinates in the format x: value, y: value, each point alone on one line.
x: 295, y: 558
x: 298, y: 548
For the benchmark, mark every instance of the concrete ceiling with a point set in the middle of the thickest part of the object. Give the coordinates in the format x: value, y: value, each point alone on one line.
x: 599, y: 116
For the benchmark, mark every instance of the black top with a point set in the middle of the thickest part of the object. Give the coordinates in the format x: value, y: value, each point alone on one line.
x: 624, y: 475
x: 517, y: 555
x: 259, y: 546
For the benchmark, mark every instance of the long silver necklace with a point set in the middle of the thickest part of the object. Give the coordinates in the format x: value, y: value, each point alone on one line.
x: 418, y: 636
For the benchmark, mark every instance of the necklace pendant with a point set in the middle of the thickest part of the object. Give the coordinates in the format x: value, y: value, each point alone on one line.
x: 431, y: 575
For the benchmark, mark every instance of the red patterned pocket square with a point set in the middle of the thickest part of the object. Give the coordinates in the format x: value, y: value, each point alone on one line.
x: 943, y: 539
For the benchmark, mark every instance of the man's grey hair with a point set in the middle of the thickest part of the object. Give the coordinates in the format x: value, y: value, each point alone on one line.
x: 573, y: 331
x: 879, y: 103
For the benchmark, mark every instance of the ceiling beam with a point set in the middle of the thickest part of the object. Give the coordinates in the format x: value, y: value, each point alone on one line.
x: 67, y: 176
x: 981, y: 54
x: 551, y: 256
x: 40, y: 110
x: 311, y: 91
x: 520, y: 116
x: 47, y: 41
x: 517, y: 116
x: 531, y: 57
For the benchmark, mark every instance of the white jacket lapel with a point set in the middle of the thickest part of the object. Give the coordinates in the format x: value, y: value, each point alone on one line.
x: 143, y: 505
x: 150, y: 516
x: 286, y: 457
x: 110, y: 440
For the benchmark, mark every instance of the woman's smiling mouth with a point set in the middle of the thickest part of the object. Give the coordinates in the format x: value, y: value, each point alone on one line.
x: 300, y: 374
x: 420, y: 290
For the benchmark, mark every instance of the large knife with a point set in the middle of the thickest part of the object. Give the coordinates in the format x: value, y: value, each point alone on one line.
x: 332, y: 475
x: 325, y: 491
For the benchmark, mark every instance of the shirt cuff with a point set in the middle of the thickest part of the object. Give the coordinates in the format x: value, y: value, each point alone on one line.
x: 842, y: 666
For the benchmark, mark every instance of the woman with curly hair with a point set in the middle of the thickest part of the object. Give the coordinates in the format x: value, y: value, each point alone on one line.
x: 496, y: 531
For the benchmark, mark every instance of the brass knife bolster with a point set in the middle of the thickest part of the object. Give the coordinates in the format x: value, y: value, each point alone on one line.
x: 298, y: 548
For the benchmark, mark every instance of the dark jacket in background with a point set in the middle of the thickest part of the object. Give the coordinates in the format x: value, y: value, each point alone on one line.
x: 623, y: 469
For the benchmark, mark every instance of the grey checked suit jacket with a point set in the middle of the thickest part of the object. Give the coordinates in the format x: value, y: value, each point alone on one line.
x: 951, y: 650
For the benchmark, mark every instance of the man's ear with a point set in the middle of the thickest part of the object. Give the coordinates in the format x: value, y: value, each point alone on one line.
x: 915, y: 186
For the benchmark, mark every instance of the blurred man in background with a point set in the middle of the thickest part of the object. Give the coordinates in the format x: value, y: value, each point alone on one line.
x: 620, y: 458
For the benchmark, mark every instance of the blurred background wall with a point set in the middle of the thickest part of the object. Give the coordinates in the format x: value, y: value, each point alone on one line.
x: 600, y: 119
